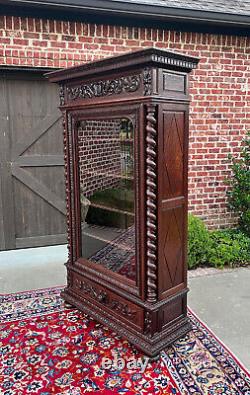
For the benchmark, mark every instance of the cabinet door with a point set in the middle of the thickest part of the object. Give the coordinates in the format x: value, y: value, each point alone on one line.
x: 172, y: 197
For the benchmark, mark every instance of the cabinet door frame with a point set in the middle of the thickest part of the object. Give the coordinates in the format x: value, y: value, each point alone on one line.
x: 91, y: 269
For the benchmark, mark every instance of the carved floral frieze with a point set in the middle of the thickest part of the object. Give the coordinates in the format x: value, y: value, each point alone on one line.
x: 105, y: 88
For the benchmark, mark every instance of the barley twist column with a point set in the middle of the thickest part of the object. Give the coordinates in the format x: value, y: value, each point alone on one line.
x: 151, y: 186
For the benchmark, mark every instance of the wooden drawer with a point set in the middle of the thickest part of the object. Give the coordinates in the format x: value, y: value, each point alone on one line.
x: 115, y: 305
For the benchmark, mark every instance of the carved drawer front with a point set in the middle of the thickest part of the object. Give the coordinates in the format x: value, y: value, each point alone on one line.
x: 114, y: 304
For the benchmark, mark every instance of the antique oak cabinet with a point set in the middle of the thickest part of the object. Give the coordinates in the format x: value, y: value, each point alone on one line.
x: 126, y: 153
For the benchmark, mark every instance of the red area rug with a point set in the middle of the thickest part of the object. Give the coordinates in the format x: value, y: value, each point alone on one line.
x: 119, y: 256
x: 48, y: 348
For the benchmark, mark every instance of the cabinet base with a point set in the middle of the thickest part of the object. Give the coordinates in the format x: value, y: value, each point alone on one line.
x: 149, y: 345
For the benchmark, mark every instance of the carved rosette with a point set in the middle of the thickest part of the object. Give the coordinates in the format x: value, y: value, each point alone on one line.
x: 151, y: 186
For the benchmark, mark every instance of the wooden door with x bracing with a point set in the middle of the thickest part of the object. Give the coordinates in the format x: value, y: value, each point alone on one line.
x: 32, y: 204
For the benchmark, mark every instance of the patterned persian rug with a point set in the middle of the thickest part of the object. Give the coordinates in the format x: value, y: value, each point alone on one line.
x: 49, y: 348
x: 119, y: 256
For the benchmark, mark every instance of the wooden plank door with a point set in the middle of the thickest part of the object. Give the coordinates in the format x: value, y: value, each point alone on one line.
x: 32, y: 204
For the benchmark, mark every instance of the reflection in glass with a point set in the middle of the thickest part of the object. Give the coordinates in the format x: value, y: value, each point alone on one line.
x: 106, y: 168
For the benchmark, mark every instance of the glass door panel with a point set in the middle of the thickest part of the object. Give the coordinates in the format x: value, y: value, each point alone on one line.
x: 107, y: 193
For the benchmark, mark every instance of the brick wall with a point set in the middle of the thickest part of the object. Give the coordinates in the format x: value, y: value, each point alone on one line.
x: 220, y: 108
x: 99, y: 155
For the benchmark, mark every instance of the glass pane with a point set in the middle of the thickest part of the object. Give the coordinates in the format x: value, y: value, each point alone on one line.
x: 106, y: 161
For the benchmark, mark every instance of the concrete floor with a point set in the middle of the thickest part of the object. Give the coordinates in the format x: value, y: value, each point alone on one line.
x: 32, y: 268
x: 221, y: 300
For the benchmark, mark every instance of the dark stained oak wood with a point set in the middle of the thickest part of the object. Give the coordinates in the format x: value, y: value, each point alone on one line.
x: 149, y: 87
x: 172, y: 194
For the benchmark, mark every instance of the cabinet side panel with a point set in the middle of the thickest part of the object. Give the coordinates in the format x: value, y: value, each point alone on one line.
x: 172, y: 197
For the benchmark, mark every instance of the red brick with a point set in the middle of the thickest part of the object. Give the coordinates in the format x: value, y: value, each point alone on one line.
x: 37, y: 43
x: 19, y: 41
x: 220, y: 108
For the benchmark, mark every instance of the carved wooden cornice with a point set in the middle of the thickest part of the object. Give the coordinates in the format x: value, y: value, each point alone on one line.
x: 173, y: 61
